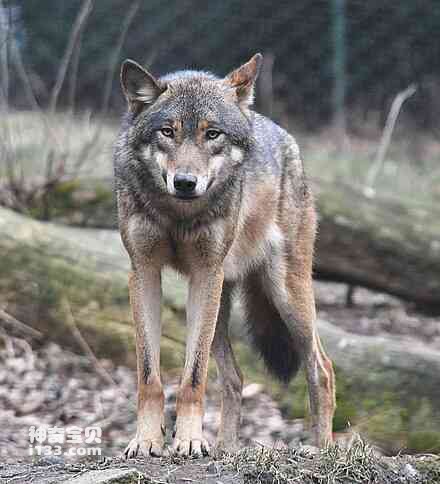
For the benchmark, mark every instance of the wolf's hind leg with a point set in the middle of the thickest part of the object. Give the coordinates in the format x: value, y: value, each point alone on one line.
x: 298, y: 312
x: 300, y: 317
x: 230, y: 377
x: 145, y: 296
x: 321, y: 383
x: 282, y: 325
x: 289, y: 282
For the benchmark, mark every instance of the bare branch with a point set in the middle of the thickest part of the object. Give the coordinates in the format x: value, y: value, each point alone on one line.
x: 116, y: 53
x: 4, y: 63
x: 396, y: 106
x: 102, y: 372
x: 22, y: 327
x: 22, y: 74
x: 24, y: 77
x: 85, y: 151
x: 73, y: 80
x: 77, y: 28
x: 173, y: 339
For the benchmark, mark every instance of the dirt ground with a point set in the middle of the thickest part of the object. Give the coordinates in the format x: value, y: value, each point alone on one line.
x: 249, y: 466
x: 51, y: 387
x: 151, y: 471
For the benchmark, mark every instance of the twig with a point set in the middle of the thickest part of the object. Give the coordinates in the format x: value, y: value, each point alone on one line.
x: 396, y: 106
x: 16, y: 185
x: 87, y: 148
x: 349, y: 296
x: 116, y: 52
x: 18, y: 61
x: 77, y: 28
x: 74, y: 74
x: 4, y: 57
x: 173, y: 339
x: 24, y: 77
x: 9, y: 347
x: 84, y: 153
x: 11, y: 320
x: 102, y: 372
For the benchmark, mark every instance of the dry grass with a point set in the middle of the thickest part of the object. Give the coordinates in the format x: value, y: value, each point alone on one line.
x: 410, y: 173
x: 48, y: 161
x: 333, y: 465
x: 83, y: 145
x: 75, y: 139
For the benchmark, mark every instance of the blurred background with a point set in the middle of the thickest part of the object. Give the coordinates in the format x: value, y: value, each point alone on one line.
x: 357, y: 83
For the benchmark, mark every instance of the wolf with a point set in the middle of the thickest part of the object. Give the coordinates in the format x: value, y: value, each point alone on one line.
x: 218, y: 192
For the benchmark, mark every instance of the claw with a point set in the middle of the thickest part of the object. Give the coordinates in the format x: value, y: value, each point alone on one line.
x: 196, y: 448
x: 143, y: 448
x: 131, y: 450
x: 205, y: 447
x: 191, y: 448
x: 156, y: 450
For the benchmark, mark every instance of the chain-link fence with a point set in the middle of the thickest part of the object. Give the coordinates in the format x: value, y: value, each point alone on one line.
x: 325, y: 58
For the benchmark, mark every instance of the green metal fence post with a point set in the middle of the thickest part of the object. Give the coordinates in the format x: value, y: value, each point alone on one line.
x: 339, y: 65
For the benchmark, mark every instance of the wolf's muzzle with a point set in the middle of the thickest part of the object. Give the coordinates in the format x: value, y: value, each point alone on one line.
x: 185, y: 185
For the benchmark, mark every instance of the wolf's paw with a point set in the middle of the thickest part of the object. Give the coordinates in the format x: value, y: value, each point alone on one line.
x: 191, y: 447
x: 188, y: 439
x: 146, y: 448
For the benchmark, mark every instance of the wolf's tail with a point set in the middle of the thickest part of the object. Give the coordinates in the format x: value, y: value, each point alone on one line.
x: 268, y: 332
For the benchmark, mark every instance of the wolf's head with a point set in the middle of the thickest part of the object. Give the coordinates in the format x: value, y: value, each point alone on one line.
x: 190, y: 128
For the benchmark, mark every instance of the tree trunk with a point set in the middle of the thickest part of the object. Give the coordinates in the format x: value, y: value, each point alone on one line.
x: 384, y: 246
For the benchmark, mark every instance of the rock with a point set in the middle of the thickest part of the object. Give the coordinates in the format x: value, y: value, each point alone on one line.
x: 50, y: 460
x: 309, y: 450
x: 108, y: 476
x: 410, y: 472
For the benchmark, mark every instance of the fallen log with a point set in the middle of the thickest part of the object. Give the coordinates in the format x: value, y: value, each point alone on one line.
x: 380, y: 244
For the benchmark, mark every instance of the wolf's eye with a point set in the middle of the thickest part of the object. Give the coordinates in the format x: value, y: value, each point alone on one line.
x: 213, y: 133
x: 168, y: 132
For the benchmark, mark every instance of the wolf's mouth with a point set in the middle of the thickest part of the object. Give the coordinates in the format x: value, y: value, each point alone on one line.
x: 186, y: 196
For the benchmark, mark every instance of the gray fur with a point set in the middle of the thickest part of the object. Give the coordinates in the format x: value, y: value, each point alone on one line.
x: 250, y: 227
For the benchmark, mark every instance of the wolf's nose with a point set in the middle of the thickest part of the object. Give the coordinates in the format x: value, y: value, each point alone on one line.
x: 185, y: 183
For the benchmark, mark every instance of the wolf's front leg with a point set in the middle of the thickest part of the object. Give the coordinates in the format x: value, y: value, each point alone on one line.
x: 145, y: 299
x: 205, y: 288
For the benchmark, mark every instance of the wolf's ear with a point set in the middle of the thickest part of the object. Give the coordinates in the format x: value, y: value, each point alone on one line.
x: 139, y: 86
x: 243, y: 80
